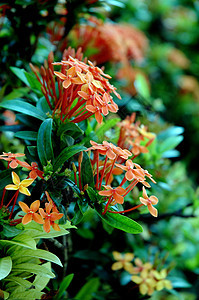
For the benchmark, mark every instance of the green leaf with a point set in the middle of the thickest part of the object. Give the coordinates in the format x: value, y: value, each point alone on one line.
x: 86, y: 292
x: 170, y: 143
x: 5, y: 178
x: 63, y: 286
x: 119, y: 221
x: 5, y: 266
x: 20, y: 240
x: 24, y: 108
x: 26, y: 135
x: 38, y: 253
x: 102, y: 129
x: 179, y: 282
x: 20, y: 281
x: 33, y: 83
x: 44, y: 142
x: 20, y: 74
x: 4, y: 295
x: 16, y: 93
x: 86, y: 171
x: 71, y: 129
x: 40, y: 281
x: 21, y: 294
x: 141, y: 86
x: 32, y: 268
x: 93, y: 195
x: 42, y: 105
x: 66, y: 154
x: 171, y: 131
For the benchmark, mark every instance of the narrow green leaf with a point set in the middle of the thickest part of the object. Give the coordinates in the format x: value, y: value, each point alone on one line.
x: 16, y: 93
x: 20, y: 240
x: 33, y: 268
x: 86, y: 292
x: 5, y: 266
x: 38, y: 253
x: 20, y: 74
x: 63, y: 286
x: 119, y: 221
x: 44, y: 142
x: 20, y: 281
x: 42, y: 105
x: 26, y: 135
x: 24, y: 108
x: 66, y: 154
x: 86, y: 171
x: 170, y: 143
x: 33, y: 82
x: 21, y: 294
x: 40, y: 281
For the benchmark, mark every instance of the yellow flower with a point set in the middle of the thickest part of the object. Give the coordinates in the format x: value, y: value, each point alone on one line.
x: 161, y: 281
x: 145, y: 281
x: 123, y: 261
x: 19, y: 185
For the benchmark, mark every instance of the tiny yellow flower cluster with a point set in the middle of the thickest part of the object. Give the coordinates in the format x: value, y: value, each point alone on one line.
x: 145, y: 275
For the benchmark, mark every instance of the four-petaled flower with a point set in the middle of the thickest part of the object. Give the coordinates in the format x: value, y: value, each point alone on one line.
x: 116, y: 193
x: 145, y: 281
x: 50, y: 217
x: 31, y: 213
x: 13, y: 161
x: 35, y: 172
x: 123, y: 261
x: 131, y: 172
x: 19, y: 185
x: 162, y: 282
x: 149, y: 201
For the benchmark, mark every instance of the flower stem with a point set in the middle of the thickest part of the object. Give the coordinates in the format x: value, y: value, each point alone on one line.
x: 103, y: 170
x: 15, y: 200
x: 127, y: 210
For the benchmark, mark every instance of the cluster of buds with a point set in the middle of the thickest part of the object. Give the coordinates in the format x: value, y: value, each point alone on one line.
x: 145, y: 275
x: 83, y: 88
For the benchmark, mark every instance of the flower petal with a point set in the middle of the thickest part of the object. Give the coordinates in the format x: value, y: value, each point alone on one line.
x: 26, y: 182
x: 117, y: 266
x: 117, y: 255
x: 118, y: 198
x: 153, y: 199
x: 35, y: 205
x: 37, y: 218
x: 11, y: 187
x: 105, y: 193
x: 55, y: 216
x: 15, y: 178
x: 47, y: 225
x: 24, y: 191
x: 24, y: 207
x: 13, y: 164
x: 27, y: 219
x: 153, y: 211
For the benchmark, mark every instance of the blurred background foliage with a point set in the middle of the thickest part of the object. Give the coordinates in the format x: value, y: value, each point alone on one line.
x: 150, y: 48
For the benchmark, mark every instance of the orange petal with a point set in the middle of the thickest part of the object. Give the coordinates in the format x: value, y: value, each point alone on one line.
x: 143, y: 201
x: 27, y: 219
x: 13, y: 164
x: 15, y: 178
x: 47, y: 225
x: 24, y: 207
x: 120, y: 190
x: 24, y: 164
x: 37, y: 218
x: 110, y: 154
x: 56, y: 227
x: 144, y: 193
x: 105, y: 193
x: 153, y: 211
x: 55, y: 216
x: 129, y: 175
x: 42, y: 213
x: 118, y: 198
x: 98, y: 117
x: 66, y: 83
x: 33, y: 174
x: 35, y: 205
x: 60, y: 75
x: 71, y: 71
x: 153, y: 199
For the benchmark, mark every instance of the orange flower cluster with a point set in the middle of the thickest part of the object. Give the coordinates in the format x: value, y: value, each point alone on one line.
x: 147, y: 277
x: 105, y: 169
x: 134, y: 136
x: 84, y: 89
x: 112, y: 42
x: 46, y: 217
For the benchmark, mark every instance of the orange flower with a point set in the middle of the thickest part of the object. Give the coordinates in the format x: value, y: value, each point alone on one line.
x: 149, y: 201
x: 19, y: 185
x: 54, y: 207
x: 116, y: 193
x: 31, y: 212
x: 13, y: 161
x: 132, y: 173
x: 35, y: 172
x: 50, y: 217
